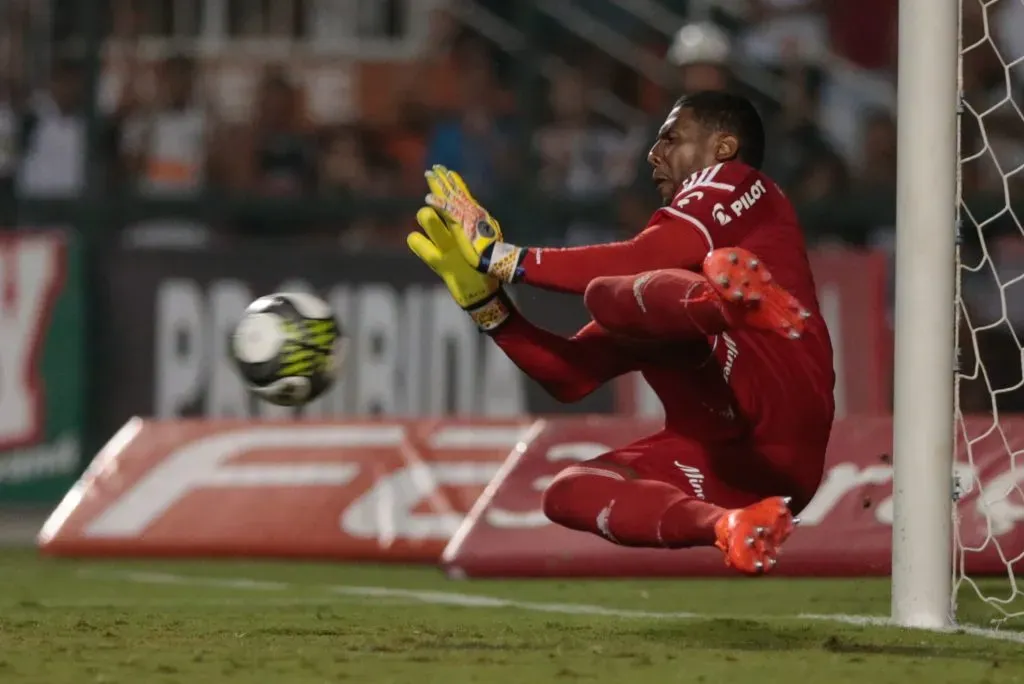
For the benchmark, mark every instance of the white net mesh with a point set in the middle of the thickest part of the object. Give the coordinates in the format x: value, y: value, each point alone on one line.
x: 989, y: 543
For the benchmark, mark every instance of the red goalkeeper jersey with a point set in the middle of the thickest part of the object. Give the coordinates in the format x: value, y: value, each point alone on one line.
x: 729, y: 204
x: 726, y: 205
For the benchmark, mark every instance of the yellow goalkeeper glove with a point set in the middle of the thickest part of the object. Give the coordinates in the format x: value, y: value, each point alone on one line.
x: 478, y: 293
x: 476, y: 233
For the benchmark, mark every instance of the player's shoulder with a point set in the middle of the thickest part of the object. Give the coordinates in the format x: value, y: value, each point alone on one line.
x: 724, y: 177
x: 728, y: 191
x: 729, y: 178
x: 728, y: 183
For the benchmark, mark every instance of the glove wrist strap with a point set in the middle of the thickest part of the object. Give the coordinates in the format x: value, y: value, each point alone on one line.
x: 492, y: 312
x: 504, y: 261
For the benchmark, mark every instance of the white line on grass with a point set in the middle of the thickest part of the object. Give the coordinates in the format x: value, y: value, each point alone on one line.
x: 449, y: 598
x: 462, y: 600
x: 251, y: 601
x: 136, y: 577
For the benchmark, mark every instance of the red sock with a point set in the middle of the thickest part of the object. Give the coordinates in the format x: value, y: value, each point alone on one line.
x: 629, y: 512
x: 671, y: 304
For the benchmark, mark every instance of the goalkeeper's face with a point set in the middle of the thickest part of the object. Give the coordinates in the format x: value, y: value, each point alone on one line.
x: 684, y: 147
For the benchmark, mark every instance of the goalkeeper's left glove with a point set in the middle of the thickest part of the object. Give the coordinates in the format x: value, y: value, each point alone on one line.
x: 478, y: 293
x: 476, y: 233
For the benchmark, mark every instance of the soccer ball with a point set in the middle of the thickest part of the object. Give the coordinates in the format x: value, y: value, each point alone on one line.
x: 288, y: 348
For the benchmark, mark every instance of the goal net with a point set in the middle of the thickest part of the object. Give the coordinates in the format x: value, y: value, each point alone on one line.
x: 989, y: 387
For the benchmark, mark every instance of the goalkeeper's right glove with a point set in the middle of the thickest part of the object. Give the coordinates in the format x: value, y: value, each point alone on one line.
x: 479, y: 294
x: 476, y: 233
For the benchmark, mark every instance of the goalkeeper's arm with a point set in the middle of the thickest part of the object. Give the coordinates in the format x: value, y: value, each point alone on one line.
x: 567, y: 368
x: 664, y: 243
x: 570, y: 269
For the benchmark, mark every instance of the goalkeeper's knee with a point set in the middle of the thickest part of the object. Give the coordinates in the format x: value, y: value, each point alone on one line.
x: 669, y: 303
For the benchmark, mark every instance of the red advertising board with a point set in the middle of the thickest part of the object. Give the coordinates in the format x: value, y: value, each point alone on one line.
x: 400, y: 491
x: 846, y: 530
x: 387, y: 490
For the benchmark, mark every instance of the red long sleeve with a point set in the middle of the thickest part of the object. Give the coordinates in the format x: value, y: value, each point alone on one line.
x: 666, y: 243
x: 568, y: 368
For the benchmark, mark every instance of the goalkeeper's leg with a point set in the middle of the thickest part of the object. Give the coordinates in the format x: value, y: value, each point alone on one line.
x: 734, y: 290
x: 649, y: 495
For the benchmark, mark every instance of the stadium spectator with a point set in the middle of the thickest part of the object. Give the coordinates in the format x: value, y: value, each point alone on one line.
x: 170, y: 149
x: 580, y: 157
x: 51, y: 138
x: 429, y: 86
x: 862, y: 78
x: 877, y: 165
x: 275, y: 155
x: 799, y: 154
x: 405, y: 142
x: 353, y: 166
x: 475, y: 137
x: 432, y: 79
x: 281, y: 153
x: 796, y: 142
x: 167, y: 142
x: 776, y: 26
x: 12, y: 75
x: 344, y: 167
x: 820, y: 177
x: 702, y: 52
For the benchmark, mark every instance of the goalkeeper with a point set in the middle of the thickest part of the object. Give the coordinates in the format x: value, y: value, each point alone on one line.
x: 713, y: 302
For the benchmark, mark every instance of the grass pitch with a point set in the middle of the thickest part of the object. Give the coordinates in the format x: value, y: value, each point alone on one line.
x: 65, y: 622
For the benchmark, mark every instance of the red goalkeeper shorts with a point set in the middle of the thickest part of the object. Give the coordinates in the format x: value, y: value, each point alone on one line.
x: 731, y: 474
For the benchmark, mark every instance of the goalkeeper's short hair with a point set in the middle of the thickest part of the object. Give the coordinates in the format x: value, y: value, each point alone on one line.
x: 730, y: 113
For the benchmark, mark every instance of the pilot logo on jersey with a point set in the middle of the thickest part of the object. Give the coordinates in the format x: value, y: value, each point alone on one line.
x: 718, y: 211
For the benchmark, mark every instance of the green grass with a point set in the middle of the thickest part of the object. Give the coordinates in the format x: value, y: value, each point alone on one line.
x: 64, y: 622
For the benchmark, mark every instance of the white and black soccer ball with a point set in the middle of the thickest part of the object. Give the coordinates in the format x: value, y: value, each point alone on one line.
x: 288, y: 348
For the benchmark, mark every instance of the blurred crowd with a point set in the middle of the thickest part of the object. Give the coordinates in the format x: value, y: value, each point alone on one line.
x: 547, y: 108
x: 565, y: 114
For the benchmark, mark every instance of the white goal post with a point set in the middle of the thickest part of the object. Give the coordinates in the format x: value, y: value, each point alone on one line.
x: 926, y: 213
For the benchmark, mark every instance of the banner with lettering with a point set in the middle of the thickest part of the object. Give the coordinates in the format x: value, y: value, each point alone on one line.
x: 412, y: 351
x: 42, y: 348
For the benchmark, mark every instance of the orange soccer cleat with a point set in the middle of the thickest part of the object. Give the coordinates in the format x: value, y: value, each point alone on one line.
x: 750, y: 537
x: 739, y: 277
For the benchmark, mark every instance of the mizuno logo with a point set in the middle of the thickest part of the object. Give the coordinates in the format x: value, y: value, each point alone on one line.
x: 695, y: 478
